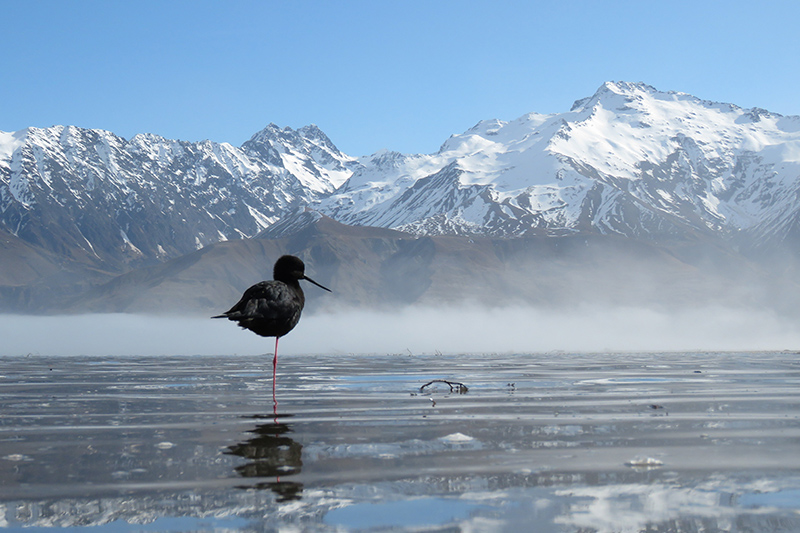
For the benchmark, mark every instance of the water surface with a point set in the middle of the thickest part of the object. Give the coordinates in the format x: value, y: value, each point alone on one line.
x: 568, y: 442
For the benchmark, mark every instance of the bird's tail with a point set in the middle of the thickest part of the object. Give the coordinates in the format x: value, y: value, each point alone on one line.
x: 220, y: 316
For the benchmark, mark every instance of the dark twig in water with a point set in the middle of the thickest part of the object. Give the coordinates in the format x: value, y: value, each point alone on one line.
x: 454, y: 386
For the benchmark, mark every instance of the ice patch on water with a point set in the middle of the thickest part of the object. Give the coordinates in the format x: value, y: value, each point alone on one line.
x: 409, y: 448
x: 17, y: 457
x: 457, y: 438
x: 644, y: 462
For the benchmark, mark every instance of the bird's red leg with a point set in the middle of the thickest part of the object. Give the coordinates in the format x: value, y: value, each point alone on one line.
x: 274, y: 376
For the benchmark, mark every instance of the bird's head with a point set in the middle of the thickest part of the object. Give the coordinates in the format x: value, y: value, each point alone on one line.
x: 290, y: 269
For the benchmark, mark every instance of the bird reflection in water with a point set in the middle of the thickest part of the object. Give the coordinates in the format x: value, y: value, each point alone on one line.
x: 271, y: 453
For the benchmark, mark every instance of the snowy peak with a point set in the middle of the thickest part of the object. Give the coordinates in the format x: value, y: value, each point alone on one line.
x: 612, y: 91
x: 629, y: 159
x: 315, y: 135
x: 308, y: 138
x: 134, y: 202
x: 627, y: 96
x: 307, y: 153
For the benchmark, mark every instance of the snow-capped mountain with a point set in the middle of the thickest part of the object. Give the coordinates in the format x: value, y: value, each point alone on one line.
x: 92, y: 193
x: 78, y: 206
x: 629, y: 160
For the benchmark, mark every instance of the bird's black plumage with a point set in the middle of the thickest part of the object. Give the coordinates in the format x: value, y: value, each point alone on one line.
x: 272, y: 308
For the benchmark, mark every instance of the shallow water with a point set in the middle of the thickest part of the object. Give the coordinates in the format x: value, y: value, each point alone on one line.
x: 544, y: 442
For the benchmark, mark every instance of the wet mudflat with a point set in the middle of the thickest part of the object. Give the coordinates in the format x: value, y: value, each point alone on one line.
x: 562, y: 442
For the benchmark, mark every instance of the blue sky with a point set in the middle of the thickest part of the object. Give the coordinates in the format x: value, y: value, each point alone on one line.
x: 401, y: 75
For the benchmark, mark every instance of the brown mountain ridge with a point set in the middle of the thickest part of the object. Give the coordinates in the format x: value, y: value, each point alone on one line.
x: 381, y: 268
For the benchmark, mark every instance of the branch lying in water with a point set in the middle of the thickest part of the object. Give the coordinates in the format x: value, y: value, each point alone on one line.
x: 454, y: 386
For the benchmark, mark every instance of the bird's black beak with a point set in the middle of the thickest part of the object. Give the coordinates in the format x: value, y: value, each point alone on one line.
x: 315, y: 283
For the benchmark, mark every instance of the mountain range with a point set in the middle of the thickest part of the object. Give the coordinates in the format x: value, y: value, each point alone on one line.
x: 630, y: 184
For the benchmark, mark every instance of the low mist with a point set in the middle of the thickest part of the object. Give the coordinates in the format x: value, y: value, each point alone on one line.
x: 411, y: 330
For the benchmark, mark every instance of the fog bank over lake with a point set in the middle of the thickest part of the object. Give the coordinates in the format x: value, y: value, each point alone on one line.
x: 411, y: 330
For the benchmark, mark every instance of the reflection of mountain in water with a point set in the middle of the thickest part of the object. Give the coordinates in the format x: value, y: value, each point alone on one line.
x: 271, y: 454
x: 567, y: 501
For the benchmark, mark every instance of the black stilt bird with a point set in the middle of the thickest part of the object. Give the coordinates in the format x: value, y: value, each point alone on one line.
x: 272, y: 308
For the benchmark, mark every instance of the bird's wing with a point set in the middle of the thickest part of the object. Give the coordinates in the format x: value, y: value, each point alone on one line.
x: 266, y: 300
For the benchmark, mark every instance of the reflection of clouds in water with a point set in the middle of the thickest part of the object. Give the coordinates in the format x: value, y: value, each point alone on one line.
x: 473, y: 503
x: 633, y: 507
x: 623, y: 508
x: 784, y: 499
x: 606, y: 509
x: 417, y: 512
x: 462, y: 329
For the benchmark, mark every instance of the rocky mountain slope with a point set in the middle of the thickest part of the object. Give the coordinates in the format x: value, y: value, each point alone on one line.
x: 386, y: 269
x: 630, y: 160
x: 123, y: 204
x: 665, y: 172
